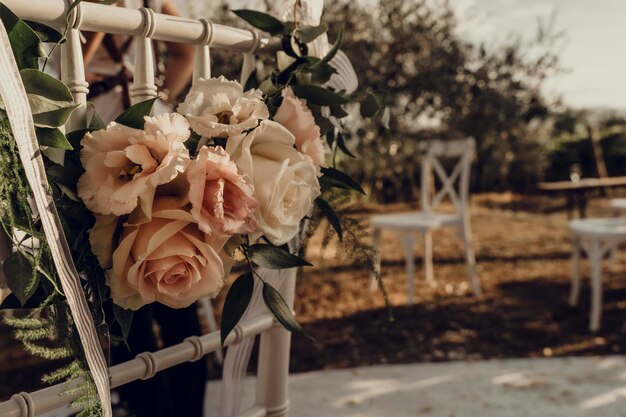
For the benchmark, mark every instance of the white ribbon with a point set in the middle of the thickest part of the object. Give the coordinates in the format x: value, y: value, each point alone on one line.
x: 21, y: 119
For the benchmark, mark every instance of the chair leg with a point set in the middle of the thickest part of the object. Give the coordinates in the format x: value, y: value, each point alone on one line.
x: 272, y: 387
x: 575, y: 288
x: 613, y: 252
x: 596, y: 286
x: 428, y: 258
x: 410, y: 268
x: 470, y: 258
x: 376, y: 247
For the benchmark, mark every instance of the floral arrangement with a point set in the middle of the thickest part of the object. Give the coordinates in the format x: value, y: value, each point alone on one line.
x: 160, y: 208
x: 176, y: 200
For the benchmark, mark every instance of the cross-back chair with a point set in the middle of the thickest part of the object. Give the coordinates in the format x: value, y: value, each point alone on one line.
x: 146, y: 25
x: 454, y: 186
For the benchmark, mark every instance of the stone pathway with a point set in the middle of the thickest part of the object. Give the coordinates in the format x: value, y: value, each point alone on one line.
x: 567, y: 387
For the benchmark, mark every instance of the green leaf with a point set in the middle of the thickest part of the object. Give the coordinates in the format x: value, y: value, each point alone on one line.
x: 276, y: 304
x: 330, y: 137
x: 260, y: 20
x: 125, y: 319
x: 273, y: 257
x: 341, y: 144
x: 330, y: 215
x: 24, y: 41
x: 340, y: 179
x: 333, y: 51
x: 251, y: 82
x: 133, y: 116
x: 236, y: 302
x: 20, y: 275
x: 53, y: 118
x: 370, y: 106
x: 96, y: 122
x: 338, y: 112
x: 45, y: 33
x: 76, y: 136
x: 50, y: 100
x: 52, y: 137
x: 319, y: 95
x: 39, y: 83
x: 321, y: 74
x: 308, y: 34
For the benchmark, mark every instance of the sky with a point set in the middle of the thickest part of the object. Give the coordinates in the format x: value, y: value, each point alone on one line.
x: 593, y: 50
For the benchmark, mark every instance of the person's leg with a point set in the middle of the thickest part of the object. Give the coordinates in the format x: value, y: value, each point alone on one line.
x: 149, y: 398
x: 187, y: 381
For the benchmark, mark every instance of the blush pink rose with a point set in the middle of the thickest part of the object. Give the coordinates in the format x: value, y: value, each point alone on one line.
x: 294, y: 114
x: 166, y: 259
x: 123, y: 166
x: 221, y: 199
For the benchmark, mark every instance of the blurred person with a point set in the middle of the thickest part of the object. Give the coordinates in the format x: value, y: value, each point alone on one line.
x: 109, y: 64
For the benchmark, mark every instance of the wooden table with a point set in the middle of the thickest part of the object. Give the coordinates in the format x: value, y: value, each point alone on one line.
x: 577, y: 193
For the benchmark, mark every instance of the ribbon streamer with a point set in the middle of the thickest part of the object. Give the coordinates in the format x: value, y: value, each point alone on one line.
x: 21, y: 119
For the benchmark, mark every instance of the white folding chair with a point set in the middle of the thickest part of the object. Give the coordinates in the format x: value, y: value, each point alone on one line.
x: 411, y: 225
x: 597, y: 237
x: 144, y: 25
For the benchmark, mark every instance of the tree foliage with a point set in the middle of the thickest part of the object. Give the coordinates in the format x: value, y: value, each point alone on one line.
x: 438, y: 84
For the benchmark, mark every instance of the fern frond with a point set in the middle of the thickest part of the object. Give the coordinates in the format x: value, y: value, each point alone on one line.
x: 65, y: 373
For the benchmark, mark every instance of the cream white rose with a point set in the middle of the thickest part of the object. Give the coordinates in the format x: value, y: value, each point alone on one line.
x: 284, y: 180
x: 218, y: 107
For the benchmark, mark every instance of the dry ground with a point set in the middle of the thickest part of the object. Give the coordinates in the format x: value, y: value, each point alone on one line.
x: 524, y: 265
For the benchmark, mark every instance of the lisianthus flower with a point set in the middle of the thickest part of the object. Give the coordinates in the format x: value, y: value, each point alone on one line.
x: 218, y: 107
x: 123, y: 166
x: 221, y: 198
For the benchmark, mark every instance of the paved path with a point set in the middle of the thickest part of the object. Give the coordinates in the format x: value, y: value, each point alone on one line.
x: 567, y: 387
x: 563, y: 387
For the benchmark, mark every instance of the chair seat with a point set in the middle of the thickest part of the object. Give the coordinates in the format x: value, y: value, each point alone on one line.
x: 415, y: 220
x: 599, y: 228
x: 618, y: 203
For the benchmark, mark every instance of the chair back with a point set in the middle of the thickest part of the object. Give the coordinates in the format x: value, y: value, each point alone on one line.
x: 454, y: 184
x: 145, y: 25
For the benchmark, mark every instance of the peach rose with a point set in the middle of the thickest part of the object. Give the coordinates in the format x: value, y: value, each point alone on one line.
x: 167, y: 259
x: 285, y: 182
x: 123, y: 166
x: 217, y: 107
x: 294, y: 114
x: 221, y: 199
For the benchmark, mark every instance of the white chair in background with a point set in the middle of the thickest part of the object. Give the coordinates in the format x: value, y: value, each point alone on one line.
x: 597, y: 237
x: 411, y: 225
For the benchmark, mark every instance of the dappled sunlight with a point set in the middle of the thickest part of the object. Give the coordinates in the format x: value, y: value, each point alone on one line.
x: 370, y: 389
x: 604, y: 399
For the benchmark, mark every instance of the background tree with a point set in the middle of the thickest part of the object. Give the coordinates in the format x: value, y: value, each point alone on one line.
x: 436, y: 83
x: 439, y: 84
